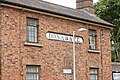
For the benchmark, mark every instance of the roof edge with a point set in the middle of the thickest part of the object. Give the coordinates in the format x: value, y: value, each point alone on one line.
x: 47, y: 11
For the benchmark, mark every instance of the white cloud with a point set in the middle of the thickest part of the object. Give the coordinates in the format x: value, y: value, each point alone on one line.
x: 68, y: 3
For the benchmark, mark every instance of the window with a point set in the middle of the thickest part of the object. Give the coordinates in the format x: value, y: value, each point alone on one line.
x: 116, y: 75
x: 32, y: 30
x: 93, y: 74
x: 32, y: 72
x: 92, y: 39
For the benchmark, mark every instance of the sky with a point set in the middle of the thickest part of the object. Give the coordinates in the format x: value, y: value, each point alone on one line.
x: 68, y: 3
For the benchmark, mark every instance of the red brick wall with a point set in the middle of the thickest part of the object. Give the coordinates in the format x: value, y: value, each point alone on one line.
x: 15, y: 55
x: 10, y: 41
x: 0, y: 37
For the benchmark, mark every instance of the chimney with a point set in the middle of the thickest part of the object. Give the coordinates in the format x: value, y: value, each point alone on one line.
x: 85, y: 5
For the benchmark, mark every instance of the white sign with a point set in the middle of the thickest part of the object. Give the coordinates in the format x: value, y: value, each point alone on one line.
x: 116, y: 76
x: 63, y: 37
x: 67, y: 71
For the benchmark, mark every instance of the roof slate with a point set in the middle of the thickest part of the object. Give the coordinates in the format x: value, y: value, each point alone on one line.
x: 57, y: 9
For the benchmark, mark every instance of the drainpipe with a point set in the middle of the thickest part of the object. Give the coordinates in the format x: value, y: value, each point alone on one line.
x: 1, y: 18
x: 101, y: 41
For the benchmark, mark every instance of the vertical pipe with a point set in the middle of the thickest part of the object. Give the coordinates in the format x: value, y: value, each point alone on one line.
x: 101, y: 41
x: 74, y: 56
x: 1, y: 25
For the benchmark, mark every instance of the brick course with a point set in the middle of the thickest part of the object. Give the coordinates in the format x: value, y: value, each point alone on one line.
x: 15, y: 55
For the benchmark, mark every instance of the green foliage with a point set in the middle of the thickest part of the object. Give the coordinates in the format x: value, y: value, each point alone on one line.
x: 109, y: 10
x: 114, y: 56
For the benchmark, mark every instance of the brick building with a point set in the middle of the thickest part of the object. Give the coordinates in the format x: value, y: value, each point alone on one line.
x: 34, y: 42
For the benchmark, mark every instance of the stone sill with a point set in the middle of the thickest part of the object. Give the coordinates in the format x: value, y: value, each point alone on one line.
x: 94, y: 51
x: 33, y: 44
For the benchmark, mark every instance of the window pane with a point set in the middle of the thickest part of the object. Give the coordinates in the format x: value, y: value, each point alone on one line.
x: 29, y: 77
x: 30, y: 34
x: 30, y: 28
x: 32, y: 22
x: 93, y: 71
x: 35, y: 39
x: 37, y: 77
x: 37, y: 69
x: 30, y: 39
x: 96, y: 77
x: 92, y: 77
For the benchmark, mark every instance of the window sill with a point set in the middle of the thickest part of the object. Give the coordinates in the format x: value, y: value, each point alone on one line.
x: 94, y: 51
x: 33, y: 44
